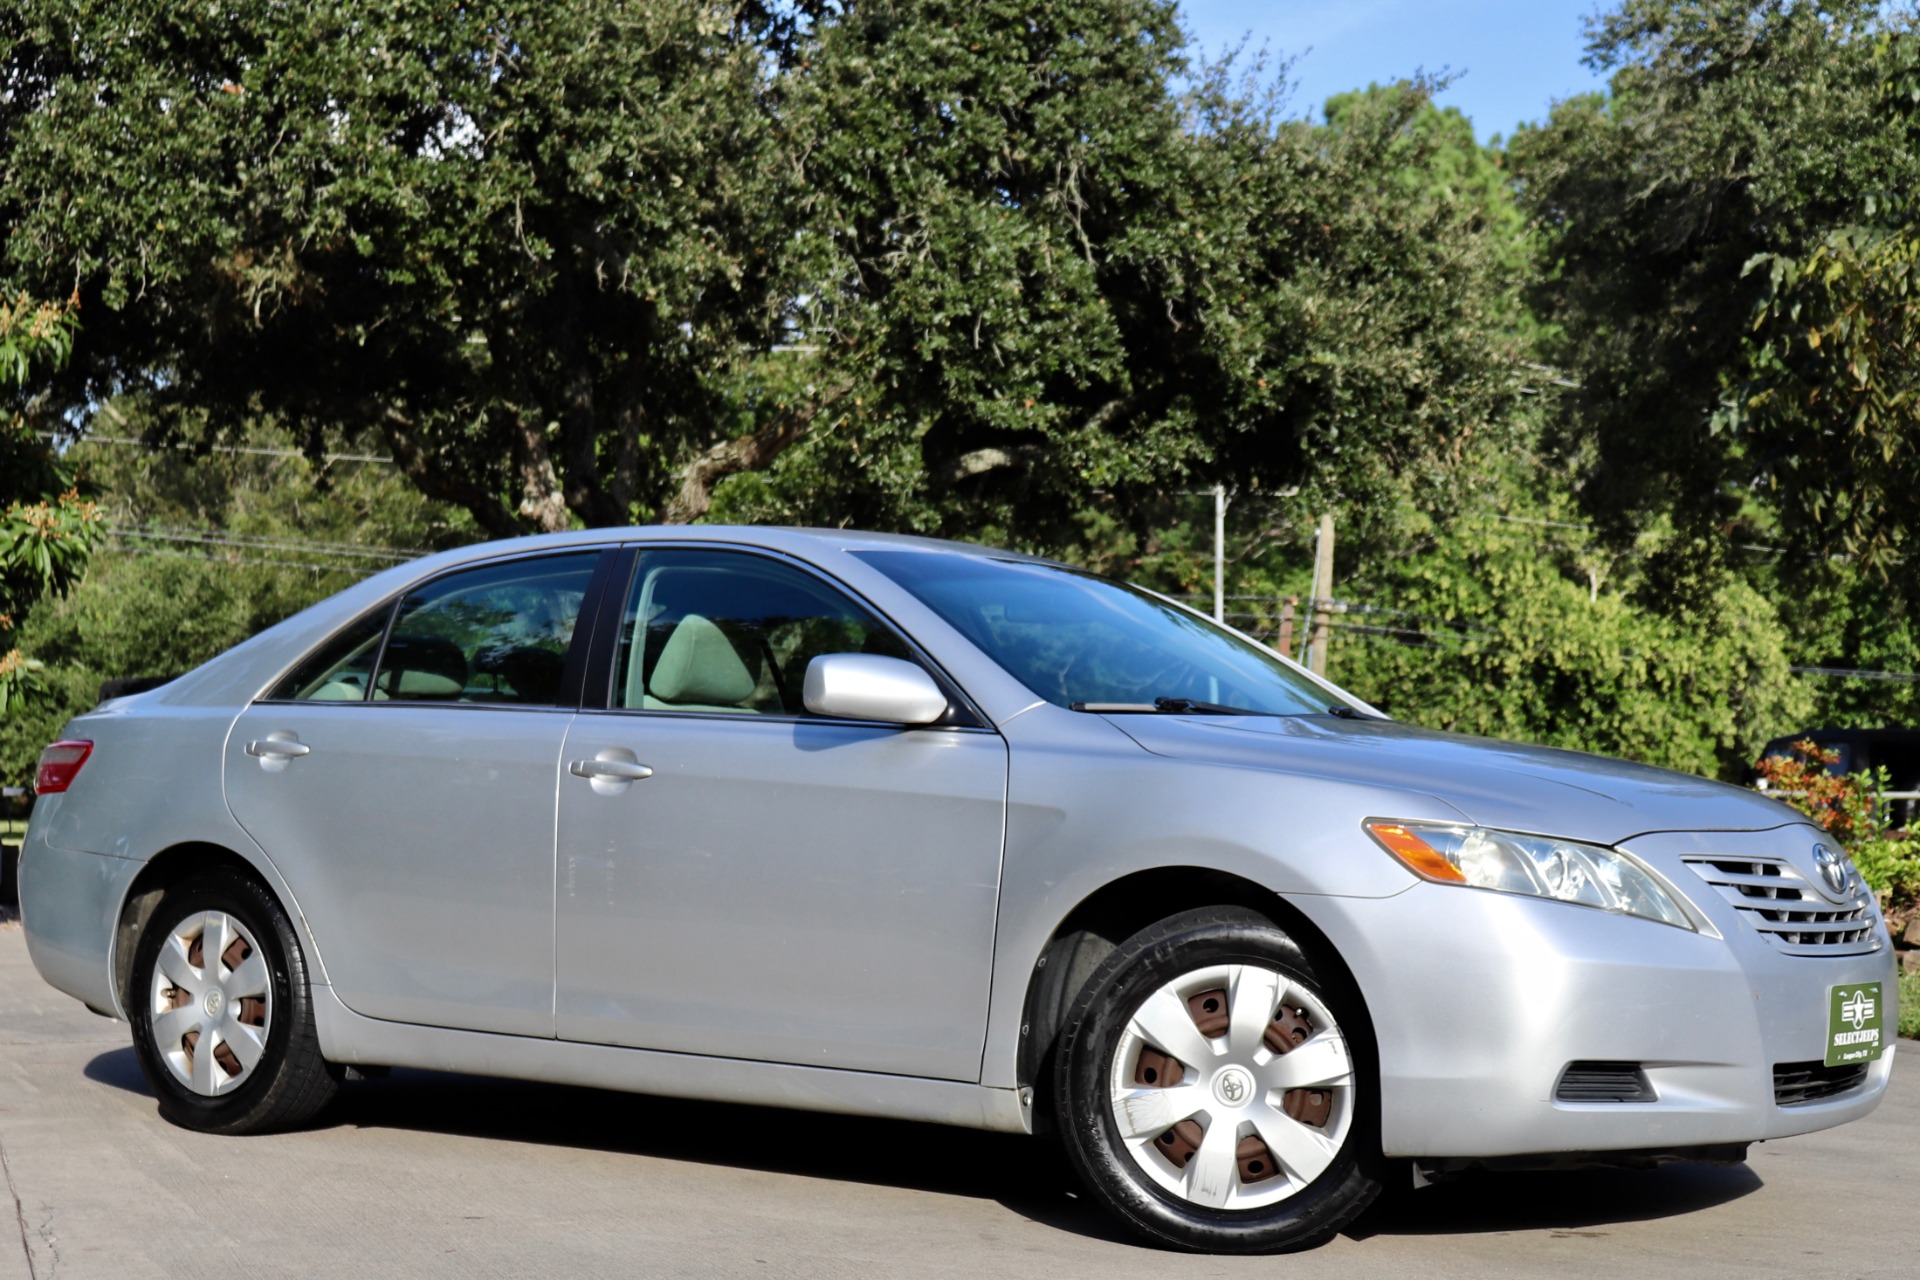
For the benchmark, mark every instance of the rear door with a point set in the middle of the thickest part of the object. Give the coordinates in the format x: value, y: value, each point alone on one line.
x: 402, y: 780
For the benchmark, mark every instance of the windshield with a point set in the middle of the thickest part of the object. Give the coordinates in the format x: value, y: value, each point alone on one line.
x: 1087, y: 643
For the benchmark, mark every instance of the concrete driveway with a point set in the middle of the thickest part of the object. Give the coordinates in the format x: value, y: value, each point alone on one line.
x: 431, y: 1175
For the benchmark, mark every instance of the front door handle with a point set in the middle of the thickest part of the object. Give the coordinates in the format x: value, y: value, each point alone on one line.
x: 272, y: 747
x: 624, y: 770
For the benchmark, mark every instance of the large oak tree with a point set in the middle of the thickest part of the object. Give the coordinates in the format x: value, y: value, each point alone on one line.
x: 1727, y: 240
x: 917, y: 263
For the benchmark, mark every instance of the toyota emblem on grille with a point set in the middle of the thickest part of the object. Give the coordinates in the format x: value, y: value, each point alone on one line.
x: 1832, y: 869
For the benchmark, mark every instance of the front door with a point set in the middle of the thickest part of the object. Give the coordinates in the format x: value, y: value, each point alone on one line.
x: 402, y: 780
x: 742, y: 879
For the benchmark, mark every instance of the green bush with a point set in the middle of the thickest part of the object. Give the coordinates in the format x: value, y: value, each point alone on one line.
x: 1891, y: 867
x: 1910, y: 1005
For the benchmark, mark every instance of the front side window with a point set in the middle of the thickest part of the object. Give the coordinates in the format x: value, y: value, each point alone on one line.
x: 1082, y: 641
x: 721, y: 631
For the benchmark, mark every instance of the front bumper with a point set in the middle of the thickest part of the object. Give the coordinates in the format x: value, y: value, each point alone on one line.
x: 1480, y: 1000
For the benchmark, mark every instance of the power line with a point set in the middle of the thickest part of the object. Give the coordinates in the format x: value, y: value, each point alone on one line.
x: 358, y: 571
x: 224, y: 538
x: 1448, y: 634
x: 1850, y: 673
x: 215, y: 448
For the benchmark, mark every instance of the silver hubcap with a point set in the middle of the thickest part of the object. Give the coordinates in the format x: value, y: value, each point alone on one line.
x: 1232, y: 1087
x: 211, y: 1005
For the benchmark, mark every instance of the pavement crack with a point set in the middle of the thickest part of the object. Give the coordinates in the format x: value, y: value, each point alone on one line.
x: 19, y: 1212
x: 50, y: 1240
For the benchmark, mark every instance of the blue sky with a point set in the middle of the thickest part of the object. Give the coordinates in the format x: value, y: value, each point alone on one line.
x: 1513, y: 58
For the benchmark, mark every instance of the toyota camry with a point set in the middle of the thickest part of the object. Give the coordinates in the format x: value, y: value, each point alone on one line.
x: 894, y: 827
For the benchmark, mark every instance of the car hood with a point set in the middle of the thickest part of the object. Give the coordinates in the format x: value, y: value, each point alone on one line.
x: 1506, y: 785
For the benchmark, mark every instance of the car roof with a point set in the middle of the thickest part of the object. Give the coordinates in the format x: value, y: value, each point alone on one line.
x: 798, y: 539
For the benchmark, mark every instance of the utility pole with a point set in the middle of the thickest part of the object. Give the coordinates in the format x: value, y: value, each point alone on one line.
x: 1322, y: 597
x: 1220, y: 554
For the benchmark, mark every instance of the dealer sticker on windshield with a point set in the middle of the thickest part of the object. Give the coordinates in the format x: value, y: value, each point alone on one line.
x: 1854, y: 1030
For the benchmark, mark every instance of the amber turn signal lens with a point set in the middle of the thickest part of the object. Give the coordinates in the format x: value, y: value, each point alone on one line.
x: 1421, y: 858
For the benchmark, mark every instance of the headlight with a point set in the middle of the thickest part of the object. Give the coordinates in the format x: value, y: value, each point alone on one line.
x: 1564, y: 870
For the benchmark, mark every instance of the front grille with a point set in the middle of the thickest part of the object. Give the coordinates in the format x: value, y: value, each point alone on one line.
x: 1604, y: 1082
x: 1789, y: 912
x: 1796, y: 1082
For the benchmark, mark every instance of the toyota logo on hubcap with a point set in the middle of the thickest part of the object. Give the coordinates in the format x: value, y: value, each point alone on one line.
x: 1233, y: 1086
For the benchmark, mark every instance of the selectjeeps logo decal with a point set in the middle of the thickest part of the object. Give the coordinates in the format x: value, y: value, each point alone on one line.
x: 1855, y: 1027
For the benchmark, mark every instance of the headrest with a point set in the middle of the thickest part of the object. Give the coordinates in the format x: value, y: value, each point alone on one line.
x: 423, y: 666
x: 534, y: 673
x: 699, y: 664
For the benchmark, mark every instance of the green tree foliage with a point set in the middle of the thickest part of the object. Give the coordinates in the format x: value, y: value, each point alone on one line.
x: 1534, y: 631
x: 1832, y: 400
x: 522, y: 241
x: 585, y: 261
x: 1063, y: 293
x: 1734, y: 130
x: 46, y: 527
x: 1431, y: 178
x: 205, y: 550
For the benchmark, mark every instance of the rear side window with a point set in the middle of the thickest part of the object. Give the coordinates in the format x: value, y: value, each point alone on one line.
x: 498, y: 633
x: 341, y: 670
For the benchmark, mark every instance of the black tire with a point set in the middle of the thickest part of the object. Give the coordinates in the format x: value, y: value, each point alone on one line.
x: 1096, y: 1029
x: 290, y: 1082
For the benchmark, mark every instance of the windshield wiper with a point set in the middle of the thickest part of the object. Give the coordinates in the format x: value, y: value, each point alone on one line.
x: 1350, y: 713
x: 1194, y: 707
x: 1166, y: 706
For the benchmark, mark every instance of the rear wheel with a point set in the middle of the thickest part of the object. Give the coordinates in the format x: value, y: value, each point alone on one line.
x: 222, y: 1015
x: 1212, y: 1088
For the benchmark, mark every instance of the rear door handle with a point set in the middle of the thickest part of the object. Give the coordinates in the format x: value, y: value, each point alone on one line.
x: 624, y: 770
x: 271, y: 747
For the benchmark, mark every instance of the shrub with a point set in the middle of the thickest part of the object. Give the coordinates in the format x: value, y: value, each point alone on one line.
x: 1846, y: 806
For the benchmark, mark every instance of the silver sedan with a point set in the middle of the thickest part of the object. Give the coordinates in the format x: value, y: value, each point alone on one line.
x: 893, y: 827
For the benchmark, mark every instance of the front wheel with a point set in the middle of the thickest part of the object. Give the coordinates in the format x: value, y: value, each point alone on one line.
x: 1210, y: 1092
x: 222, y: 1017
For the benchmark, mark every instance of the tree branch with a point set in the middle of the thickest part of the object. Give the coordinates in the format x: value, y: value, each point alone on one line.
x: 488, y: 511
x: 730, y: 457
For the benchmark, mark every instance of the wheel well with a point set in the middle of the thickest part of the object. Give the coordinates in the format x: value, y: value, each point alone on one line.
x: 164, y: 870
x: 1115, y: 913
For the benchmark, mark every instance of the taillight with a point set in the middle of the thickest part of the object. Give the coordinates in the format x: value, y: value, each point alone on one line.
x: 59, y: 764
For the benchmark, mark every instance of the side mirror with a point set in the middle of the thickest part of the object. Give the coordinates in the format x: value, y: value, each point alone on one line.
x: 866, y: 686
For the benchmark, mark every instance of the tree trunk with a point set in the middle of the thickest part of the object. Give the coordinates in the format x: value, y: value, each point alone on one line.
x: 541, y: 501
x: 488, y: 511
